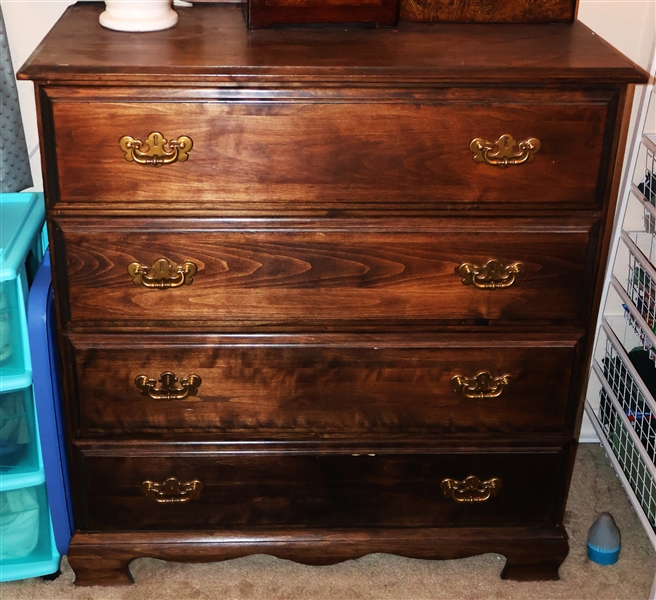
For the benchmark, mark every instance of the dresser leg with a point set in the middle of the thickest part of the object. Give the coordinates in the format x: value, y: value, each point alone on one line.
x: 535, y: 562
x: 101, y: 570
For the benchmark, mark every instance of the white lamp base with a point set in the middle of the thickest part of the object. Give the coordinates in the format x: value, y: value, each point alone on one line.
x: 138, y: 15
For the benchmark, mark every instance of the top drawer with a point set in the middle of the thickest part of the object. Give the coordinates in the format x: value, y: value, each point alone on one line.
x: 332, y: 151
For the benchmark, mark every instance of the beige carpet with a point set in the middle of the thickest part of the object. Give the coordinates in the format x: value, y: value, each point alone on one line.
x: 595, y: 488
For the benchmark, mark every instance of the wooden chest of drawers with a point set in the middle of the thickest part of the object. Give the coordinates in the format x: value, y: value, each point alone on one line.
x: 327, y: 293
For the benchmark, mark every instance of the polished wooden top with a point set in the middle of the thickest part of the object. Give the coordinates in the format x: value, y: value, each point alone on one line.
x: 212, y: 46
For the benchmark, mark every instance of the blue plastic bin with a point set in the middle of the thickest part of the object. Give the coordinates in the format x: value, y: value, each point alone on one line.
x: 47, y: 391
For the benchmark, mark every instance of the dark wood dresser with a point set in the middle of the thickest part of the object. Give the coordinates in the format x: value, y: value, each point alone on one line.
x: 325, y: 291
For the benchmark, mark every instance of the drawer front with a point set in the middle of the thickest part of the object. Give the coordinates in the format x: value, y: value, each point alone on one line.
x: 316, y: 490
x: 263, y: 385
x: 361, y: 272
x: 292, y: 155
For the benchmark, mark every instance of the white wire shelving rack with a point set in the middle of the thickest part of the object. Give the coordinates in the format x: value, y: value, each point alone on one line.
x: 621, y: 392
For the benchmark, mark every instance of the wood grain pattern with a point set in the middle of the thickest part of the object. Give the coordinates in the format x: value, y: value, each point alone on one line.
x: 533, y: 553
x: 293, y: 155
x: 309, y: 275
x: 324, y: 385
x: 413, y: 53
x: 319, y: 491
x: 328, y: 200
x: 488, y: 11
x: 265, y: 13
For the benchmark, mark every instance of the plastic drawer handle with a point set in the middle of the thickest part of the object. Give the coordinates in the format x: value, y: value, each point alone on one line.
x: 505, y: 152
x: 154, y: 151
x: 493, y: 275
x: 471, y: 490
x: 482, y: 385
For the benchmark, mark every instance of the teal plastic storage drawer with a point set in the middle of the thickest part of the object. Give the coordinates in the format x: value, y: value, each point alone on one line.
x: 20, y: 459
x: 27, y: 544
x: 21, y: 249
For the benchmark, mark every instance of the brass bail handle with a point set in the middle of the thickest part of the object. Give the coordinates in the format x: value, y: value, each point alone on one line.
x: 162, y: 275
x: 493, y: 275
x: 154, y: 152
x: 169, y: 388
x: 505, y: 152
x: 172, y: 491
x: 471, y: 489
x: 481, y: 386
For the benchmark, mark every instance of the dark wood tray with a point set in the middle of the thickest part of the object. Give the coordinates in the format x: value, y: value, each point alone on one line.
x: 265, y: 13
x: 488, y: 11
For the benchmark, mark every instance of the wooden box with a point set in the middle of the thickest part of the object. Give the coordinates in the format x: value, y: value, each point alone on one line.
x: 265, y: 13
x: 488, y: 11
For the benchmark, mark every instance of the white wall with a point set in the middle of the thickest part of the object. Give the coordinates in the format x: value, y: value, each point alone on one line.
x: 629, y: 25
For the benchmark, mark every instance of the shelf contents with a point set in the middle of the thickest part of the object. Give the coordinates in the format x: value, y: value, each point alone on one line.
x: 647, y: 186
x: 17, y: 432
x: 19, y: 522
x: 642, y: 290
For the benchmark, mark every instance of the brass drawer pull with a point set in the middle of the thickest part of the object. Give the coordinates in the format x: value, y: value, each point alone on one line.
x: 505, y: 152
x: 482, y: 385
x: 162, y: 275
x: 493, y: 275
x: 155, y: 153
x: 169, y: 389
x: 172, y: 491
x: 472, y: 489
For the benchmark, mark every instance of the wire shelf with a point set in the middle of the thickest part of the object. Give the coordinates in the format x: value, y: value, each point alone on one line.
x: 649, y: 218
x: 625, y: 416
x: 645, y: 240
x: 647, y: 178
x: 621, y: 388
x: 634, y: 321
x: 640, y: 283
x: 639, y: 287
x: 631, y: 375
x: 619, y: 469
